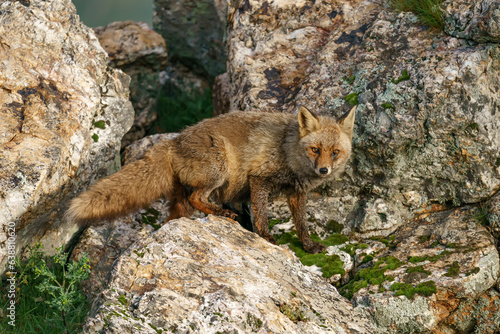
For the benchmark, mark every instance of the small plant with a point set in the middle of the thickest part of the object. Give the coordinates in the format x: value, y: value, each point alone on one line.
x: 352, y: 99
x: 388, y: 105
x: 428, y: 11
x: 49, y: 281
x: 349, y: 80
x: 293, y: 313
x: 481, y: 217
x: 63, y: 288
x: 404, y: 77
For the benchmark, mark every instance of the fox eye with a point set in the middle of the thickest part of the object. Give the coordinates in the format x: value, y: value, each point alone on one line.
x: 335, y: 153
x: 315, y: 150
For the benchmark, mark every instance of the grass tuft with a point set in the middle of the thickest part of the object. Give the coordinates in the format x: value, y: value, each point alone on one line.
x: 428, y: 11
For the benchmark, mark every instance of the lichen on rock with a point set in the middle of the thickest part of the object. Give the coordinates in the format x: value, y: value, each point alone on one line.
x: 55, y: 85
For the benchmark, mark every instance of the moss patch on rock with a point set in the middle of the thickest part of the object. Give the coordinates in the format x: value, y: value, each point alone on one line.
x: 425, y: 289
x: 330, y: 264
x: 371, y: 276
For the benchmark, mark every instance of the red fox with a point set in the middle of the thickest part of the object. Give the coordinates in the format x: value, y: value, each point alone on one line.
x: 232, y: 158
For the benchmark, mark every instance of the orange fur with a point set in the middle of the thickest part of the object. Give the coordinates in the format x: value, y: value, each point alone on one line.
x: 231, y: 158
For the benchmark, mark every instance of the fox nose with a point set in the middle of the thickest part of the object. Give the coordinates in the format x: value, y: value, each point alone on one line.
x: 323, y: 170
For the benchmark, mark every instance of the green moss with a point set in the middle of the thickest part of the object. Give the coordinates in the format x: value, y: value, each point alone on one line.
x: 100, y: 124
x: 389, y: 242
x: 254, y: 322
x: 453, y: 270
x: 426, y: 289
x: 334, y: 227
x: 352, y: 99
x: 293, y: 313
x: 351, y: 248
x: 404, y: 77
x: 329, y: 264
x: 424, y: 238
x: 332, y: 240
x: 373, y: 276
x: 349, y: 80
x: 433, y: 258
x: 141, y: 255
x: 388, y: 105
x: 418, y: 269
x: 434, y: 244
x: 123, y: 300
x: 151, y: 218
x: 274, y: 222
x: 367, y: 258
x: 95, y: 137
x: 472, y: 272
x: 159, y: 331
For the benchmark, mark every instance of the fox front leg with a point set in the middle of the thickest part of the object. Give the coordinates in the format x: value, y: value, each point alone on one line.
x: 297, y: 204
x: 259, y: 193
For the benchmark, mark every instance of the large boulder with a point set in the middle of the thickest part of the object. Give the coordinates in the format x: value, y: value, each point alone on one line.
x: 63, y: 114
x: 475, y: 20
x: 429, y: 272
x: 140, y: 52
x: 427, y: 127
x: 210, y: 275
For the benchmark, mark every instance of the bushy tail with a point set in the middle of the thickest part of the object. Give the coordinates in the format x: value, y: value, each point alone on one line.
x: 136, y: 185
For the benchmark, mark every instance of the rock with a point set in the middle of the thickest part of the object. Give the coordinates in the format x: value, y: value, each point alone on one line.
x: 106, y: 242
x: 137, y: 149
x: 220, y: 95
x: 63, y: 114
x: 491, y: 217
x: 141, y: 53
x: 180, y: 78
x: 433, y: 270
x: 210, y: 275
x: 427, y: 125
x: 479, y: 315
x: 194, y: 32
x: 476, y: 20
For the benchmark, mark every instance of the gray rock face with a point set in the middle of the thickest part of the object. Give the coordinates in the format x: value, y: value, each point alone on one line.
x: 141, y: 53
x: 194, y: 32
x: 210, y: 275
x: 448, y: 250
x: 427, y: 129
x: 62, y: 115
x: 476, y: 20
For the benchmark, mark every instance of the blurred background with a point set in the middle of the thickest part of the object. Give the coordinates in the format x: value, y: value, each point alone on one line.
x: 95, y: 13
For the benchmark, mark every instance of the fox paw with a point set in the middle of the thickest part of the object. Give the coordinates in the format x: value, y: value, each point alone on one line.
x: 270, y: 239
x: 314, y: 248
x: 229, y: 214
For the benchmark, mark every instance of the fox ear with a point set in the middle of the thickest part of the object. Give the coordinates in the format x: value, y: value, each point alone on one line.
x: 307, y: 122
x: 346, y: 122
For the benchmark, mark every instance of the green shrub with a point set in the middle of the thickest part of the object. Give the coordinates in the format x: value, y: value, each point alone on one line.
x: 48, y: 297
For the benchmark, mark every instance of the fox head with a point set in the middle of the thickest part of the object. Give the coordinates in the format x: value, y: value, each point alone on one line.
x: 326, y: 142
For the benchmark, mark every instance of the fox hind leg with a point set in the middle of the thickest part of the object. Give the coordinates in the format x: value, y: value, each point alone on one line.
x: 179, y: 205
x: 199, y: 200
